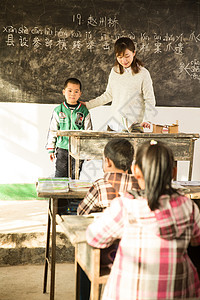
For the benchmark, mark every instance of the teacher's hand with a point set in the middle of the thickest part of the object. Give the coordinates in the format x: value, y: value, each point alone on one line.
x: 82, y: 103
x: 145, y: 125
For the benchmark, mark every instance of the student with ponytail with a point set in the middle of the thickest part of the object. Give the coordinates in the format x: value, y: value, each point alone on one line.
x: 155, y: 225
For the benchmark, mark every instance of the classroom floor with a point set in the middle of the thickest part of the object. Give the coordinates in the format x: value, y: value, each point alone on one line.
x: 25, y: 282
x: 19, y: 219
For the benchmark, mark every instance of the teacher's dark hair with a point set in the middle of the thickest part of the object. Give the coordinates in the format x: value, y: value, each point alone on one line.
x: 156, y: 161
x: 120, y: 47
x: 121, y: 152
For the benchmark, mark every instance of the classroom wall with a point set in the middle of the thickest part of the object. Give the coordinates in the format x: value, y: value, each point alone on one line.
x: 24, y: 130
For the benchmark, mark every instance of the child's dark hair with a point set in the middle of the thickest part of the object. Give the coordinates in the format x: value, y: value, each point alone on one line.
x: 74, y: 81
x: 156, y: 161
x: 121, y: 152
x: 120, y: 47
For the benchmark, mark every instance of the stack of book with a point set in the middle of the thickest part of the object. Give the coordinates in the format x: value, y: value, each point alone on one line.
x: 54, y: 185
x: 61, y: 185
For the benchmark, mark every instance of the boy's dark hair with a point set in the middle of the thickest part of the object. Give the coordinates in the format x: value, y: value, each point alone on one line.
x: 156, y: 161
x: 120, y: 47
x: 121, y: 152
x: 74, y: 81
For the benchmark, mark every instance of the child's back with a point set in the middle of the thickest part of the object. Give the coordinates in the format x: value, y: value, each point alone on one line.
x: 151, y: 260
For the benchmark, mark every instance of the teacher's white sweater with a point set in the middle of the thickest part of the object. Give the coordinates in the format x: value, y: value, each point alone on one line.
x: 132, y: 97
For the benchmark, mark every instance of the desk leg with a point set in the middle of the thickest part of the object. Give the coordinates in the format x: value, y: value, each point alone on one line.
x: 69, y: 160
x: 47, y: 249
x: 69, y: 166
x: 191, y: 161
x: 53, y: 249
x: 175, y: 165
x: 77, y: 273
x: 77, y: 163
x: 94, y: 292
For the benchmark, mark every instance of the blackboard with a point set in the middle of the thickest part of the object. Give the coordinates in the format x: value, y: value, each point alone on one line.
x: 42, y: 43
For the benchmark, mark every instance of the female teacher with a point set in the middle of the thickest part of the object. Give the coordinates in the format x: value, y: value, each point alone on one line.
x: 129, y: 89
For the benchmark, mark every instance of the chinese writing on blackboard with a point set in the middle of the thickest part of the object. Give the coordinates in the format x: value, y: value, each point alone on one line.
x: 99, y: 34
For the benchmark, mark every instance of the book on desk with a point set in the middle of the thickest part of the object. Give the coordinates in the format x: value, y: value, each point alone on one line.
x: 61, y: 185
x: 67, y: 191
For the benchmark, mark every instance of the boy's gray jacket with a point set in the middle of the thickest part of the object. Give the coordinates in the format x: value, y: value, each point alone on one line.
x: 63, y: 118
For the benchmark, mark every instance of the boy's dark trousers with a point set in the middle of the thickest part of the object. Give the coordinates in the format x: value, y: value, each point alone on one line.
x: 69, y: 206
x: 66, y: 206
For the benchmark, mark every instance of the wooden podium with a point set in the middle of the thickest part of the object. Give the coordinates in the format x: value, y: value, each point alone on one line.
x: 90, y: 144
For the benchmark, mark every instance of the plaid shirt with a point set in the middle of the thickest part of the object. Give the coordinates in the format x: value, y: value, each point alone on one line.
x: 104, y: 190
x: 152, y: 260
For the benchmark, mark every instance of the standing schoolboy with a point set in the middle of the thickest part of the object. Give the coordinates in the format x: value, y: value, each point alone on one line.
x: 69, y: 115
x: 155, y: 227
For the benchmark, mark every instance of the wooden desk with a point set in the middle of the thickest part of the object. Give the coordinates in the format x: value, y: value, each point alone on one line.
x: 86, y: 257
x: 192, y: 190
x: 90, y: 144
x: 52, y: 212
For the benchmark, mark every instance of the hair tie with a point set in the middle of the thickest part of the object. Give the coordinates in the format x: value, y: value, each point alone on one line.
x: 153, y: 142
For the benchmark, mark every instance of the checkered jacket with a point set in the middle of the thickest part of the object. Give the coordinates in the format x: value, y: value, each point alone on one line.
x: 151, y: 261
x: 104, y: 190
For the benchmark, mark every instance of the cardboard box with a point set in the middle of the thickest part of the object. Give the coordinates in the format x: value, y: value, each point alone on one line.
x: 165, y: 128
x: 173, y: 128
x: 157, y: 128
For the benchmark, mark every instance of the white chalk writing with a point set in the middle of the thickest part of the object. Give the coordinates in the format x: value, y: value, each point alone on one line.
x: 91, y: 45
x: 77, y: 18
x: 91, y: 21
x: 98, y: 33
x: 77, y: 45
x: 48, y: 43
x: 192, y: 69
x: 195, y: 37
x: 23, y: 41
x: 36, y: 43
x: 10, y: 40
x: 61, y: 44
